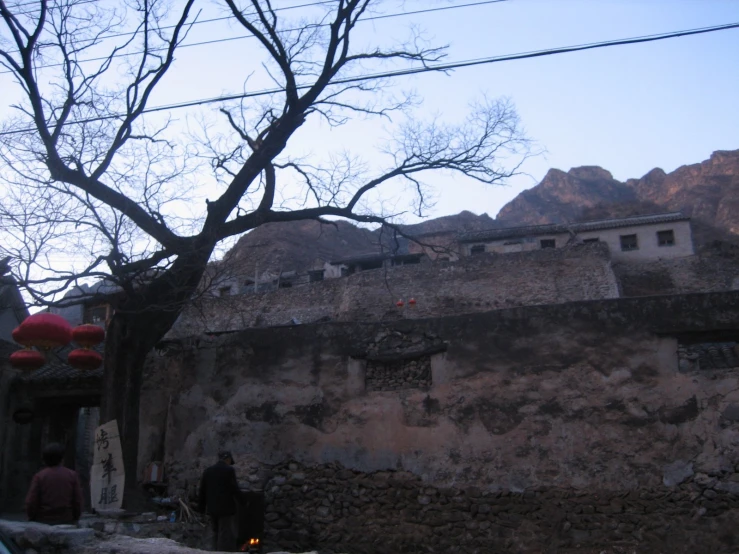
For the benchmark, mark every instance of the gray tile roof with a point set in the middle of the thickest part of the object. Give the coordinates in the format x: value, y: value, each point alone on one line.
x: 557, y: 228
x: 57, y: 371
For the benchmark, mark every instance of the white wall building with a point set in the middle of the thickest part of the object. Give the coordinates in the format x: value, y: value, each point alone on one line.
x: 644, y: 237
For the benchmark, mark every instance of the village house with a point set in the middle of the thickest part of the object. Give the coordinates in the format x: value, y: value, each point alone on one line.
x: 638, y: 238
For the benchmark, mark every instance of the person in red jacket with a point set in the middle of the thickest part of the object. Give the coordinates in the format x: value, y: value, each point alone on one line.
x: 55, y: 496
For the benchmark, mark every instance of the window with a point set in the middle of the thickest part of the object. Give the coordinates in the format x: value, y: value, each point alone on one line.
x: 666, y: 238
x: 628, y: 242
x: 477, y: 249
x: 590, y: 241
x: 547, y: 243
x: 314, y: 276
x: 224, y: 291
x: 286, y: 284
x: 443, y: 258
x: 365, y: 266
x: 97, y: 315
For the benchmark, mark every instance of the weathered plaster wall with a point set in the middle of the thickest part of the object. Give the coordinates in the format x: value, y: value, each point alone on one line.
x: 476, y: 284
x: 520, y: 397
x: 584, y: 397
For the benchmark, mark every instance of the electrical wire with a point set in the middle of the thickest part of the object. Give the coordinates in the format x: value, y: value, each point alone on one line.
x: 415, y: 71
x: 242, y: 37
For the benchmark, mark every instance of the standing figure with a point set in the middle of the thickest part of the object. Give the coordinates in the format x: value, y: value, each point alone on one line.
x: 55, y: 496
x: 220, y: 496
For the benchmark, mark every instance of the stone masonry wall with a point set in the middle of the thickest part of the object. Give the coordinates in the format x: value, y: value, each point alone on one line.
x: 340, y: 510
x: 396, y: 375
x: 678, y: 276
x: 475, y: 284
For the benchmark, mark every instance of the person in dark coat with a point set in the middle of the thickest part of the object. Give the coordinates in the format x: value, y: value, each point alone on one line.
x: 219, y: 497
x: 55, y: 496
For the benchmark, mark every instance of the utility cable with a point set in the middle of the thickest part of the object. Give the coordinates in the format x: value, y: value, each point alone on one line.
x: 242, y: 37
x: 415, y: 70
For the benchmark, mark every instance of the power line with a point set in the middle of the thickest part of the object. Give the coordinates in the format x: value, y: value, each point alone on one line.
x: 36, y: 3
x: 416, y: 70
x: 242, y: 37
x: 196, y: 22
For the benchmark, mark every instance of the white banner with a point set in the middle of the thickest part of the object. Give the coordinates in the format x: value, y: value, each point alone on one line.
x: 107, y: 477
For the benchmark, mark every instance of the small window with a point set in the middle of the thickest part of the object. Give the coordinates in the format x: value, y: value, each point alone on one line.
x: 286, y: 284
x: 97, y: 315
x: 629, y: 242
x: 366, y: 266
x: 224, y: 291
x: 666, y: 238
x: 443, y: 258
x: 315, y: 276
x: 590, y: 241
x: 547, y: 243
x: 477, y: 249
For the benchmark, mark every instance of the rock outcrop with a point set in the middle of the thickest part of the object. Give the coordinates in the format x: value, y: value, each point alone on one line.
x: 706, y: 191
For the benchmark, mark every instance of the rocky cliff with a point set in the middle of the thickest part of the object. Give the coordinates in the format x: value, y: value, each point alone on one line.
x: 707, y: 191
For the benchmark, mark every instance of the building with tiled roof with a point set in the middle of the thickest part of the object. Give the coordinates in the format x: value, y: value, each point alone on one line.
x: 644, y: 237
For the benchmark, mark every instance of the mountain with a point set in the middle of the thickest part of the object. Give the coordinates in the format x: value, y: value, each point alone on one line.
x: 561, y: 197
x: 298, y: 245
x: 707, y: 191
x: 303, y: 245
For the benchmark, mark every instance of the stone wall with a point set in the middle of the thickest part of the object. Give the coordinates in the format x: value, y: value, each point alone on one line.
x: 587, y: 400
x: 678, y: 276
x: 476, y: 284
x: 397, y: 375
x: 340, y: 510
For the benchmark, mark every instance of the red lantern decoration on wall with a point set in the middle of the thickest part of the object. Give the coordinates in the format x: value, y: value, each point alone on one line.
x: 85, y: 359
x: 43, y: 330
x: 412, y: 302
x: 27, y: 359
x: 400, y: 303
x: 88, y: 335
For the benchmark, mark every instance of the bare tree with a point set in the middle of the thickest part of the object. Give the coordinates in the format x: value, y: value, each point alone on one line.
x: 95, y: 174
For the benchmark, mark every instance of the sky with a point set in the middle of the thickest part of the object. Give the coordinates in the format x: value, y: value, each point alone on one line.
x: 626, y: 108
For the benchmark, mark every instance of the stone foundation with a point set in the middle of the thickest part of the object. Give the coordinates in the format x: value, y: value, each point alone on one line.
x: 340, y: 510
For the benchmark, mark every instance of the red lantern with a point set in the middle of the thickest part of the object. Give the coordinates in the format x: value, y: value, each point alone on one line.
x: 84, y: 359
x: 43, y: 331
x: 412, y: 302
x: 400, y: 303
x: 28, y: 360
x: 20, y: 335
x: 88, y: 335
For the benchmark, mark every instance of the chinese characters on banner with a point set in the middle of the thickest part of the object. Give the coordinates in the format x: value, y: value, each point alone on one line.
x: 107, y: 477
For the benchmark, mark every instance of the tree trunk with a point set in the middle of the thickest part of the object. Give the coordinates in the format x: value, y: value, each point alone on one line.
x: 139, y: 323
x: 126, y: 347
